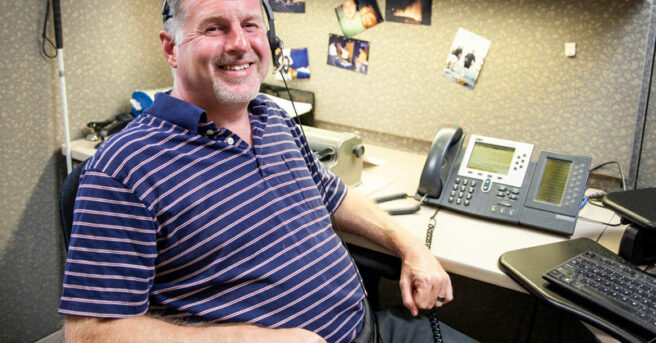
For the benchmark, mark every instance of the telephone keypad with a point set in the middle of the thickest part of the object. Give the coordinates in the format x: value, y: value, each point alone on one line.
x: 462, y: 192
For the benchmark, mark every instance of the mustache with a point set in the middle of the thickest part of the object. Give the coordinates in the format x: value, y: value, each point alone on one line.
x: 230, y: 60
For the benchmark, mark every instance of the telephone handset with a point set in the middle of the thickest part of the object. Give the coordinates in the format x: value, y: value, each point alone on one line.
x: 440, y: 160
x: 495, y: 179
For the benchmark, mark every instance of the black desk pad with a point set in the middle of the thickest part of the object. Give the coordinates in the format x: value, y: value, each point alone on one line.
x: 526, y: 266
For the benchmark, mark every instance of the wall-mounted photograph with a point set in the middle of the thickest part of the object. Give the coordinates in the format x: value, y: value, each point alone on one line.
x: 409, y: 11
x: 466, y: 57
x: 295, y: 64
x: 355, y: 16
x: 348, y: 53
x: 290, y: 6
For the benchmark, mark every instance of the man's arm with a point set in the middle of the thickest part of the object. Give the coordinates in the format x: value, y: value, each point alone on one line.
x: 422, y: 277
x: 150, y: 329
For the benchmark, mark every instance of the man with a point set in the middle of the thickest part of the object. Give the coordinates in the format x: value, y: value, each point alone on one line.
x: 208, y: 219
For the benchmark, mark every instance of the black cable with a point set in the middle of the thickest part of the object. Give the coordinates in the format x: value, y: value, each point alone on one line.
x: 435, y: 326
x: 44, y: 36
x: 600, y: 222
x: 623, y: 179
x: 432, y: 315
x: 335, y: 225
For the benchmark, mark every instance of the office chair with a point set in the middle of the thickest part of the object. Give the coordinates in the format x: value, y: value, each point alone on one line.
x: 67, y: 201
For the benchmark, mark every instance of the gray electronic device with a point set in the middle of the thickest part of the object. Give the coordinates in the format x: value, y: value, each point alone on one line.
x: 495, y: 179
x: 557, y: 189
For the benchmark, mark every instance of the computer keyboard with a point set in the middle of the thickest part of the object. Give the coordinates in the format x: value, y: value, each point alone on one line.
x: 610, y: 283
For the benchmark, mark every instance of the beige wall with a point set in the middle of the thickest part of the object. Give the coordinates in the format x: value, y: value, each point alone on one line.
x: 527, y: 91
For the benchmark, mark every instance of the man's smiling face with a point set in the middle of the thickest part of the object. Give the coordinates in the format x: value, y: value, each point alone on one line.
x: 222, y: 49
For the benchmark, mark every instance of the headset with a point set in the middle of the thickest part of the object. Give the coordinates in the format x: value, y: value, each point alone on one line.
x: 275, y: 43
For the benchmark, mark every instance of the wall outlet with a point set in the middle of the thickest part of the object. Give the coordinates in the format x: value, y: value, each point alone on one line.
x: 570, y: 49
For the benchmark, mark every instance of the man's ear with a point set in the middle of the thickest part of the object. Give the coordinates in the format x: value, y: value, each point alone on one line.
x: 168, y: 48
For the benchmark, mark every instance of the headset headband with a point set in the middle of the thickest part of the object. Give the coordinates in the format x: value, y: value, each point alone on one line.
x: 274, y: 42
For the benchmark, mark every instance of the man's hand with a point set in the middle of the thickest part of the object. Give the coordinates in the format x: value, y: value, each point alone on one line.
x: 423, y: 280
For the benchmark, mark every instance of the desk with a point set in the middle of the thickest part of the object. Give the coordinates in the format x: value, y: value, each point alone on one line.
x: 463, y: 244
x: 466, y: 245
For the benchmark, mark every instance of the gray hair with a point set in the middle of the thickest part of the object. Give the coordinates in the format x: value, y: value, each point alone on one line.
x: 174, y: 24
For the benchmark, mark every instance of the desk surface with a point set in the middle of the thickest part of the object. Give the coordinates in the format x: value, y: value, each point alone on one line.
x: 466, y: 245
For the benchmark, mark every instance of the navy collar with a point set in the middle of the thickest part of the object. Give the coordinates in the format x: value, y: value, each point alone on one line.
x: 187, y: 115
x: 178, y: 112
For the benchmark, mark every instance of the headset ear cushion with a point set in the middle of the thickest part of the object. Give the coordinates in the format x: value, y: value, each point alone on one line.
x: 276, y: 51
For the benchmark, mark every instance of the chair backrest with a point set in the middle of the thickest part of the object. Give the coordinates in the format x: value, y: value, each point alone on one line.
x: 67, y: 201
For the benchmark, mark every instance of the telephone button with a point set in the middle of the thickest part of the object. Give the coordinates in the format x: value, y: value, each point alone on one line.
x: 473, y: 183
x: 450, y: 199
x: 461, y: 194
x: 502, y: 210
x: 514, y: 190
x: 512, y: 197
x: 493, y: 208
x: 455, y: 186
x: 501, y: 194
x: 486, y: 185
x: 457, y: 180
x: 466, y: 202
x: 462, y: 188
x: 458, y: 201
x: 471, y: 189
x: 453, y: 193
x: 464, y: 182
x: 511, y: 212
x: 502, y: 189
x: 468, y: 197
x: 504, y: 203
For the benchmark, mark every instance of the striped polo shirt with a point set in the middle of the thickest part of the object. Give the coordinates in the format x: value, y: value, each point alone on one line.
x: 177, y: 216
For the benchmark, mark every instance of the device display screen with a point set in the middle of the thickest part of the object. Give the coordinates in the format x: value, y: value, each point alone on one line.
x: 554, y: 180
x: 491, y: 158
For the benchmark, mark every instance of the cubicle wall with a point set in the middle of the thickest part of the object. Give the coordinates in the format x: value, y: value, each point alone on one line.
x: 110, y: 48
x: 527, y: 90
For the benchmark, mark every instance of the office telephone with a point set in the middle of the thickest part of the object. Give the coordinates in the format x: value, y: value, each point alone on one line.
x: 495, y: 179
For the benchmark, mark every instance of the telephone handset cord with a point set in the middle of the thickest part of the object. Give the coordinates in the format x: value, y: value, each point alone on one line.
x: 432, y: 315
x: 399, y: 211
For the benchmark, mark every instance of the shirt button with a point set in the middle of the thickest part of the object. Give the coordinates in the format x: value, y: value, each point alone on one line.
x: 231, y: 141
x: 209, y: 132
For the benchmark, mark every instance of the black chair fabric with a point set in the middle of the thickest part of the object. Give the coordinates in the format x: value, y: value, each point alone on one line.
x: 67, y: 201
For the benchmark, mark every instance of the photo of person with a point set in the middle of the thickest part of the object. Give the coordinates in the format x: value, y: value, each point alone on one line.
x: 466, y: 57
x: 348, y: 53
x: 295, y: 64
x: 355, y: 16
x: 408, y: 11
x: 290, y: 6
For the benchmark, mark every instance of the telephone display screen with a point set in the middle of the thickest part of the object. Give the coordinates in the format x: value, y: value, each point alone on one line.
x: 491, y: 158
x: 554, y: 180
